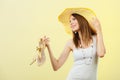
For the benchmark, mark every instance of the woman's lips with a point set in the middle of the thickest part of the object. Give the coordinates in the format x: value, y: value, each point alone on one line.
x: 73, y: 26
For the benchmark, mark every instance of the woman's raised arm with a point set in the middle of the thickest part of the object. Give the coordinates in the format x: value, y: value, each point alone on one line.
x: 100, y: 43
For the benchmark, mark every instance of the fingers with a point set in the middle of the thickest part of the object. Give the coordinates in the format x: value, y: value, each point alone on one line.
x: 95, y: 20
x: 44, y: 40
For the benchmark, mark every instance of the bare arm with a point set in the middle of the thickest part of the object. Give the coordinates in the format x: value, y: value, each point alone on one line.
x: 57, y: 63
x: 100, y: 45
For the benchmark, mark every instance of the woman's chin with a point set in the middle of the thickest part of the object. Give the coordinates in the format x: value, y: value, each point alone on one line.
x: 75, y: 30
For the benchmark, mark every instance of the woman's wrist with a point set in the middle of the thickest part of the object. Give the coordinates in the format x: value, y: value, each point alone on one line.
x: 48, y: 46
x: 99, y: 32
x: 99, y: 35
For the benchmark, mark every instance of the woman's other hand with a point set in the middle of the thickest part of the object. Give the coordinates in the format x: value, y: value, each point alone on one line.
x: 46, y: 41
x: 95, y: 22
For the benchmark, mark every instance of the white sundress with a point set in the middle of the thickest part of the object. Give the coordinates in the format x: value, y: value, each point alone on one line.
x: 85, y: 63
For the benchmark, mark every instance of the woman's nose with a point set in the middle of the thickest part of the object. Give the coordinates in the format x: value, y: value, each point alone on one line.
x: 71, y: 22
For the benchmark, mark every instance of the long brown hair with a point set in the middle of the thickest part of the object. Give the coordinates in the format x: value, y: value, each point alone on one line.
x: 85, y: 30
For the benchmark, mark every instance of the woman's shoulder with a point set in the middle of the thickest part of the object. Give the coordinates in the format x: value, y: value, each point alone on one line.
x: 70, y: 43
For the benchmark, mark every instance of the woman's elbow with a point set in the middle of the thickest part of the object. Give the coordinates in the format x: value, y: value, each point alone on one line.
x: 55, y: 68
x: 101, y: 54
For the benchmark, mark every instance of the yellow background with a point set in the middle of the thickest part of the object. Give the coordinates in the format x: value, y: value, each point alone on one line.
x: 23, y: 22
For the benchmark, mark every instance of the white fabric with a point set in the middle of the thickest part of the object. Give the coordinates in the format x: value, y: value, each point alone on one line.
x: 85, y: 63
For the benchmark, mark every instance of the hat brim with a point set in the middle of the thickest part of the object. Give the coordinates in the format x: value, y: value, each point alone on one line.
x: 87, y: 13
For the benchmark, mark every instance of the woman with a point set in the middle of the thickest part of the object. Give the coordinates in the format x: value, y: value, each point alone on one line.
x: 87, y: 44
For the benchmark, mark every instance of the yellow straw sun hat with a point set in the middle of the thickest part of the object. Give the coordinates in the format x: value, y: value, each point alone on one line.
x: 87, y: 13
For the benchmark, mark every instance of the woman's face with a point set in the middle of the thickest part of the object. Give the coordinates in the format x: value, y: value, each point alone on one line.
x: 74, y: 24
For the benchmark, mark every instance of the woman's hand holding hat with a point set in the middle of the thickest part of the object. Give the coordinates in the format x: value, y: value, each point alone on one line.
x: 95, y: 22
